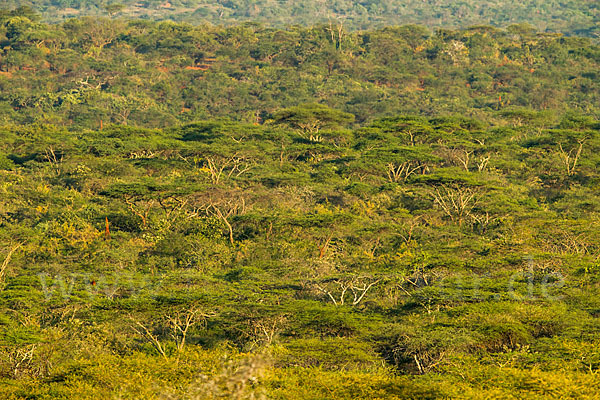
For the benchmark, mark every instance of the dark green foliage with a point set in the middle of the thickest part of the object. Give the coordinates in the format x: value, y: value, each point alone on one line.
x: 570, y: 17
x: 94, y: 72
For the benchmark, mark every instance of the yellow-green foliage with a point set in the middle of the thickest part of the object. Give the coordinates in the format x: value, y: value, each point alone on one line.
x: 220, y: 260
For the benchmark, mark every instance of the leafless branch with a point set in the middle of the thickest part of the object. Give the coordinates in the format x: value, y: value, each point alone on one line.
x: 4, y: 265
x: 356, y: 286
x: 571, y: 158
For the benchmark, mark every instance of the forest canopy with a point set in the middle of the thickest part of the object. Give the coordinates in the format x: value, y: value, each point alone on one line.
x: 216, y: 209
x: 408, y: 257
x: 92, y: 71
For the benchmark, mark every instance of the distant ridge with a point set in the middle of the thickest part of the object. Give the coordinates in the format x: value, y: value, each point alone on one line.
x: 570, y: 17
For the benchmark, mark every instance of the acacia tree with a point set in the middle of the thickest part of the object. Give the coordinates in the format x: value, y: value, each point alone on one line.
x: 456, y: 201
x: 94, y: 34
x: 222, y: 205
x: 146, y: 199
x: 113, y: 9
x: 457, y: 194
x: 224, y: 210
x: 219, y: 166
x: 570, y: 150
x: 570, y: 157
x: 337, y: 290
x: 176, y: 325
x: 309, y: 119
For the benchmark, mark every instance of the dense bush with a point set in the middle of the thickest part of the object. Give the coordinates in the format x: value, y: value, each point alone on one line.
x: 411, y: 257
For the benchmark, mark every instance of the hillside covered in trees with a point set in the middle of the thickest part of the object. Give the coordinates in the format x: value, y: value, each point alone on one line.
x: 571, y: 17
x: 255, y: 212
x: 89, y: 71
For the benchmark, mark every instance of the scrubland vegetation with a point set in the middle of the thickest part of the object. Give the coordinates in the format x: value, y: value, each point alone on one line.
x: 87, y: 72
x: 410, y: 257
x: 201, y: 212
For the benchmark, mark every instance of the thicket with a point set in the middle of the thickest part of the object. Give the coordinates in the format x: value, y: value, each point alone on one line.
x: 91, y: 72
x: 199, y: 211
x: 409, y: 257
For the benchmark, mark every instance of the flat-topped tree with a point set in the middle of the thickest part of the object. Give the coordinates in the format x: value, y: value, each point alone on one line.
x: 461, y: 196
x: 144, y: 199
x: 405, y: 130
x: 114, y: 8
x: 309, y: 119
x: 22, y: 11
x: 397, y: 163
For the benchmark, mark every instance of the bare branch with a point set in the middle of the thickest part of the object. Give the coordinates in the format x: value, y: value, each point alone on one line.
x: 224, y: 210
x: 358, y: 290
x: 483, y: 162
x: 6, y: 261
x: 181, y: 322
x: 402, y: 172
x: 456, y: 202
x: 143, y: 331
x: 54, y: 160
x: 569, y: 159
x: 142, y: 209
x: 230, y: 166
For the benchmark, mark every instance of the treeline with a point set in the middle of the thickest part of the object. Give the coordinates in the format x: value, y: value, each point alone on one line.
x: 88, y: 72
x: 572, y: 17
